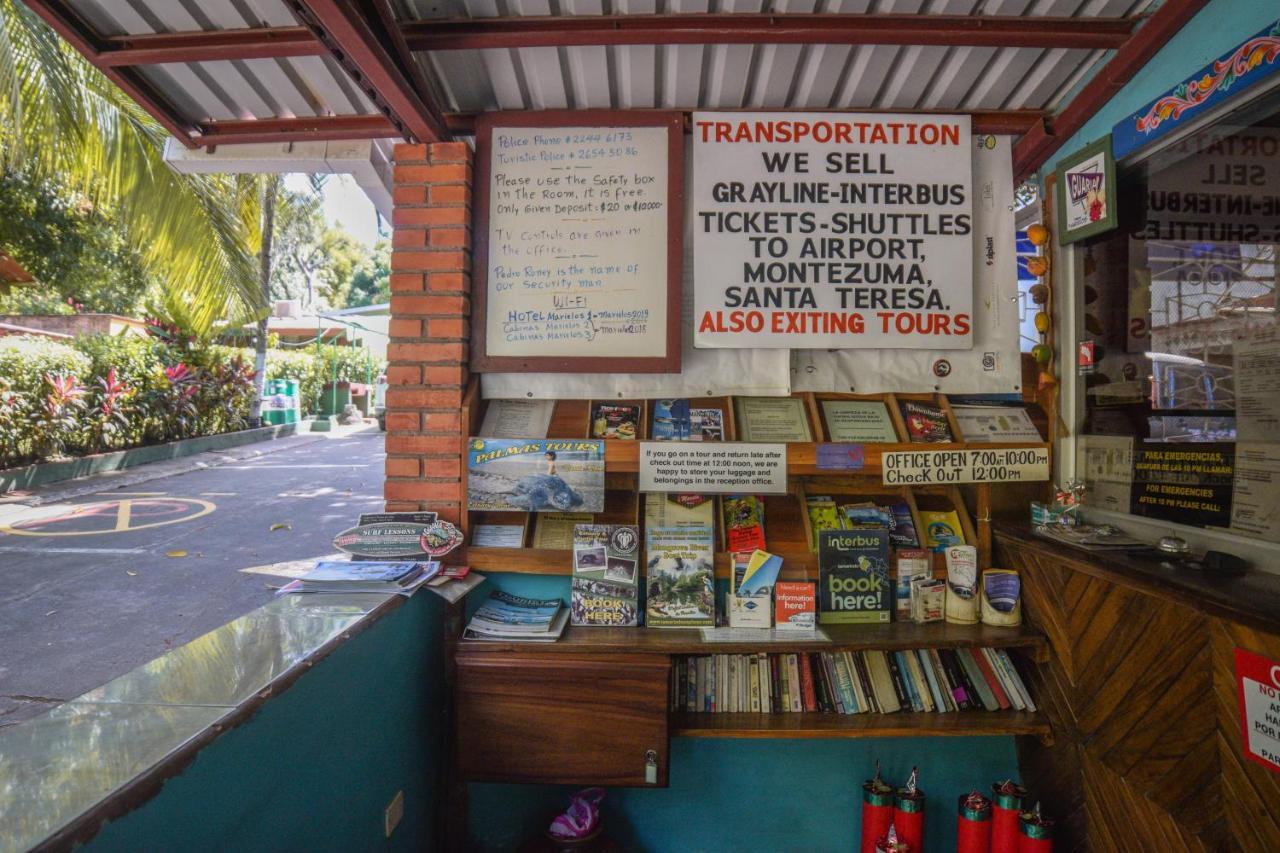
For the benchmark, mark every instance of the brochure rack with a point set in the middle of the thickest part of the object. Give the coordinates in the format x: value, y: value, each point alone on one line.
x: 593, y: 707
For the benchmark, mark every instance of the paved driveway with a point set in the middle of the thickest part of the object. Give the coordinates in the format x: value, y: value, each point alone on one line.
x: 95, y: 585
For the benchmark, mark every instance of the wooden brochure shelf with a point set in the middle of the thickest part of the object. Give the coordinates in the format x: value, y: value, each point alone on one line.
x: 593, y: 708
x: 817, y: 725
x: 891, y: 636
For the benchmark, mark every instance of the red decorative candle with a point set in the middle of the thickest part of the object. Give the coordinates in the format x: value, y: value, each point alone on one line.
x: 908, y: 813
x: 1035, y: 832
x: 974, y: 832
x: 1006, y: 803
x: 877, y: 811
x: 891, y: 844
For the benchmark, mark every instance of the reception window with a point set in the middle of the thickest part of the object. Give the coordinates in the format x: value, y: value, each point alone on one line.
x: 1182, y: 407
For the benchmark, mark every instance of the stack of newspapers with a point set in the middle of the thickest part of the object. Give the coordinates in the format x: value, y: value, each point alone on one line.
x: 513, y: 618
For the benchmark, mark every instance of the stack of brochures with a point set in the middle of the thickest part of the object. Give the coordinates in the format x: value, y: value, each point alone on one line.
x: 514, y: 618
x: 364, y: 576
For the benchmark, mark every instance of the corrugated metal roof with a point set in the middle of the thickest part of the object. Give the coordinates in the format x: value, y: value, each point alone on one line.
x: 240, y: 89
x: 630, y: 76
x: 764, y: 76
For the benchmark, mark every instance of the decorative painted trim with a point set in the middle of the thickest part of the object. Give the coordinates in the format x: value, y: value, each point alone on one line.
x: 1250, y: 62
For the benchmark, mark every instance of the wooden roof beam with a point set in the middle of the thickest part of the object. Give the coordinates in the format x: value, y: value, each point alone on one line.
x: 998, y: 122
x: 354, y: 34
x: 299, y: 129
x: 743, y: 28
x: 209, y: 46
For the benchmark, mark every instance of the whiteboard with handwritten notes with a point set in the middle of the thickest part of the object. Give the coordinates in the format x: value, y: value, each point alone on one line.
x: 577, y: 247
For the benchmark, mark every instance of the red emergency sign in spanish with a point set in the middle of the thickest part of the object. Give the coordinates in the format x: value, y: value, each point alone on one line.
x: 832, y: 231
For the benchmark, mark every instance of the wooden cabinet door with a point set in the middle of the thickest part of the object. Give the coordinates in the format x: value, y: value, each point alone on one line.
x: 562, y: 718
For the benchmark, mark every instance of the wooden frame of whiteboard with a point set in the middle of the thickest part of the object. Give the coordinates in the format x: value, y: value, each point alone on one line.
x: 669, y: 361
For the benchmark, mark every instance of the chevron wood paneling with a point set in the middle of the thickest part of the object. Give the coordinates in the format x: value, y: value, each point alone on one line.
x: 1251, y: 793
x: 1141, y: 693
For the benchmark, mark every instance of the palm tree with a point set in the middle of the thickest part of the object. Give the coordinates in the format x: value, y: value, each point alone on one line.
x: 59, y: 116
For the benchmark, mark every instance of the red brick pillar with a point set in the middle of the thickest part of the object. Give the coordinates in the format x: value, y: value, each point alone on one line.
x: 430, y: 305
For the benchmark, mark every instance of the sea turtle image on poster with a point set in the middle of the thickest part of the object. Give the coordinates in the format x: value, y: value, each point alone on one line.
x: 536, y: 475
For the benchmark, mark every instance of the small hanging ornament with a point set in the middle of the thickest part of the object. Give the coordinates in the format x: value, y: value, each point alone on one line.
x: 1037, y: 234
x: 1037, y: 265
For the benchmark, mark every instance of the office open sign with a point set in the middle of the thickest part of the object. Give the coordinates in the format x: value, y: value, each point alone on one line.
x: 1258, y: 681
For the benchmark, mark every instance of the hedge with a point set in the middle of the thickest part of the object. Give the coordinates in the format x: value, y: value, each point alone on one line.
x: 109, y: 392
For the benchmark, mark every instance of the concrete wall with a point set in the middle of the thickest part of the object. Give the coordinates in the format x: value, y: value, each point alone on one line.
x: 316, y: 766
x: 77, y: 325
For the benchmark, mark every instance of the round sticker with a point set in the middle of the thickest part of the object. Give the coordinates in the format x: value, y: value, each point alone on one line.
x: 941, y: 368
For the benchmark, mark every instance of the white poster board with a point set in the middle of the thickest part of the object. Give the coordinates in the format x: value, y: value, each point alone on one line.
x: 703, y: 372
x: 577, y: 242
x: 948, y: 467
x: 723, y: 467
x: 993, y: 365
x: 832, y: 230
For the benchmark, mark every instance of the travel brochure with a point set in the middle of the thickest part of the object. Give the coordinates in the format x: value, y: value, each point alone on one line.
x: 864, y: 421
x: 680, y: 578
x: 615, y: 420
x: 995, y: 423
x: 926, y: 423
x: 853, y: 576
x: 670, y: 510
x: 535, y: 475
x: 554, y: 530
x: 680, y: 420
x: 743, y: 522
x: 331, y: 576
x: 497, y: 536
x: 772, y: 419
x: 604, y: 589
x: 515, y: 618
x: 517, y: 418
x: 826, y: 514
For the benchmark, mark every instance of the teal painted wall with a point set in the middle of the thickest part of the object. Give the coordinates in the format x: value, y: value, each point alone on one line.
x: 1219, y: 27
x: 750, y: 795
x: 316, y: 766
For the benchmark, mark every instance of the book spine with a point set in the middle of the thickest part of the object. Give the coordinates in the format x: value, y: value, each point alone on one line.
x: 806, y: 684
x: 933, y: 671
x: 1015, y: 698
x: 922, y: 682
x: 904, y: 667
x: 974, y: 676
x: 826, y: 696
x: 1016, y: 678
x: 793, y: 670
x: 944, y: 684
x: 776, y: 682
x: 993, y: 681
x: 958, y: 688
x: 895, y: 678
x: 866, y: 694
x: 755, y: 684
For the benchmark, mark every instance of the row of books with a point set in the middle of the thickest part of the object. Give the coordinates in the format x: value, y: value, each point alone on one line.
x: 769, y: 419
x: 875, y: 682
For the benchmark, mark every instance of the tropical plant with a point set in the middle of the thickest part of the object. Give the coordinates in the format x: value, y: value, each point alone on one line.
x: 61, y: 118
x: 109, y: 413
x: 56, y: 418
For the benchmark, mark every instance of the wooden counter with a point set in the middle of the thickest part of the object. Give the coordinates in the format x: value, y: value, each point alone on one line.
x: 1140, y: 690
x: 1252, y: 599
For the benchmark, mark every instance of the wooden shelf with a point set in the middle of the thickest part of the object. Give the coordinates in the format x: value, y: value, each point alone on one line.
x: 681, y: 641
x: 825, y: 725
